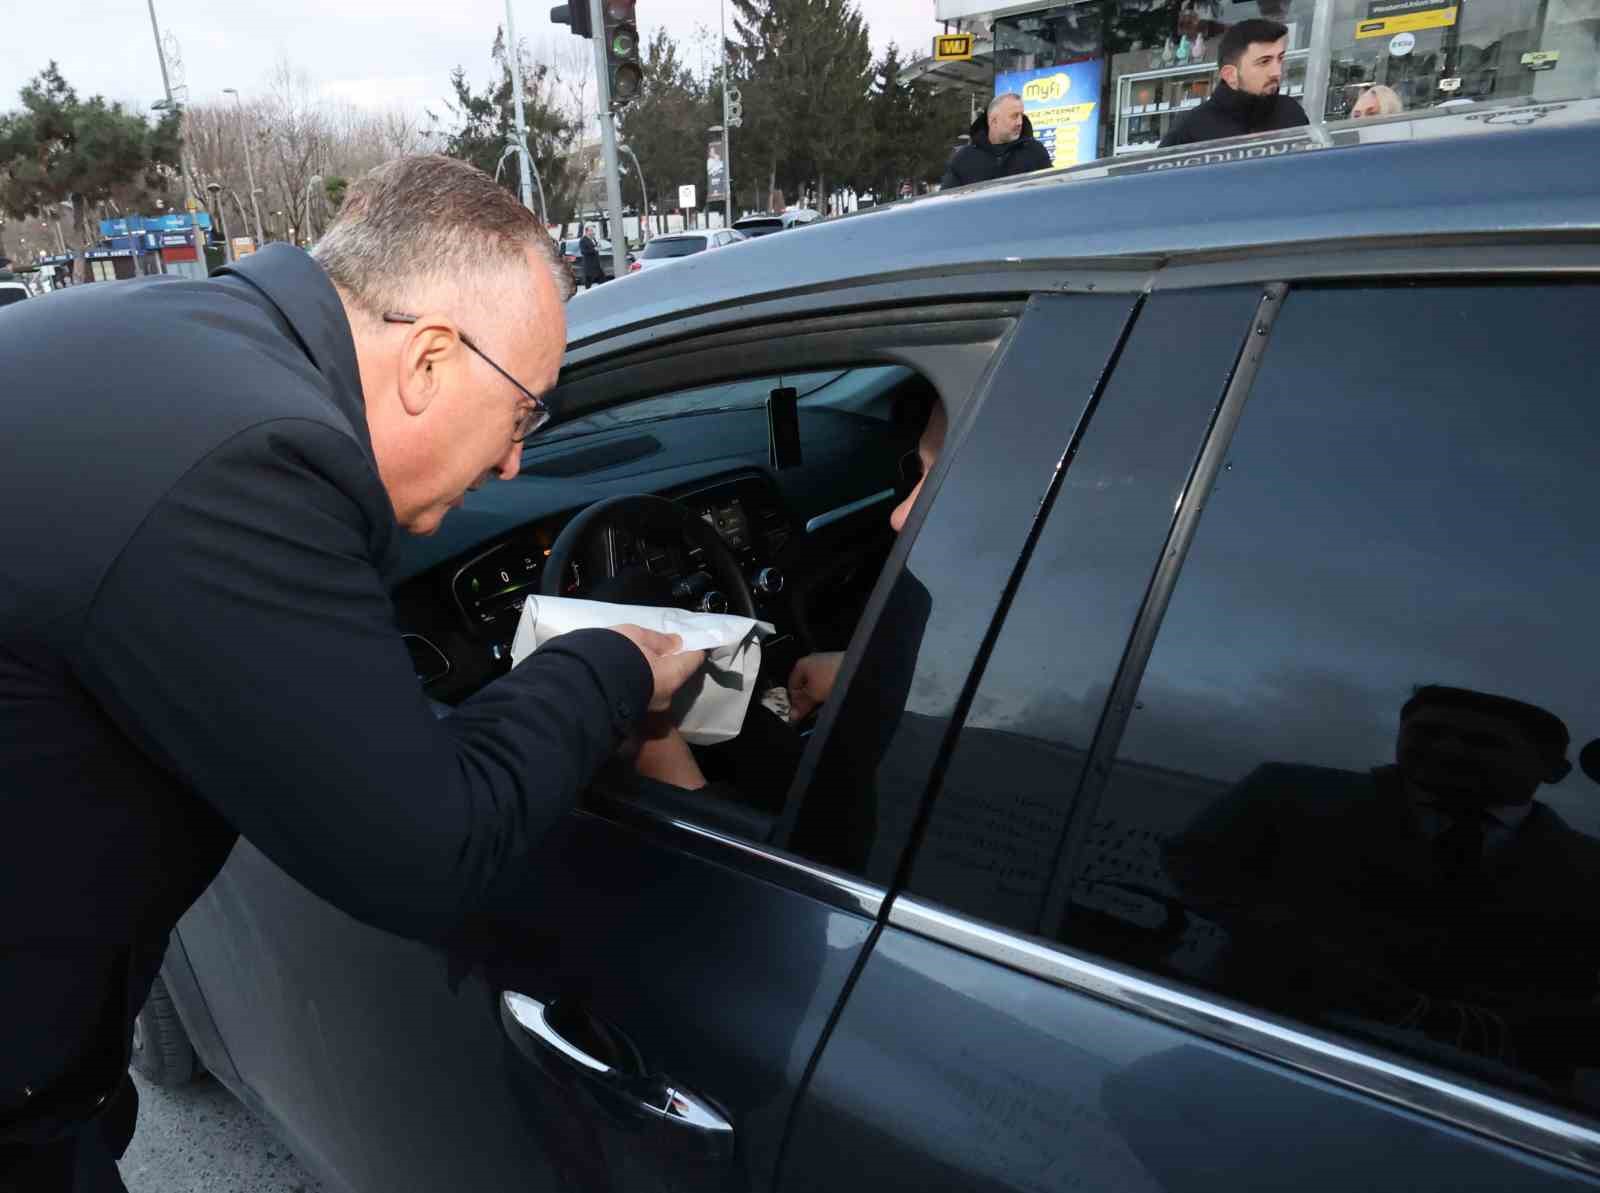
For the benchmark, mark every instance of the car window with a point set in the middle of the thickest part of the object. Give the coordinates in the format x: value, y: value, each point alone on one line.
x: 990, y: 847
x: 1351, y: 788
x: 678, y: 246
x: 844, y: 389
x: 859, y: 793
x: 760, y: 227
x: 11, y: 294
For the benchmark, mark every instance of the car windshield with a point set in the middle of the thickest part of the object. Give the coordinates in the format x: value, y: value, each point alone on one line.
x: 679, y: 246
x: 759, y: 227
x: 838, y: 389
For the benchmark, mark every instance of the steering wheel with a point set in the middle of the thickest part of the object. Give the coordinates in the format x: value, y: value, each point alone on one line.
x: 591, y: 540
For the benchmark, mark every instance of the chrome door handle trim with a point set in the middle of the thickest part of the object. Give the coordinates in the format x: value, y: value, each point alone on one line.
x: 529, y: 1014
x: 690, y: 1110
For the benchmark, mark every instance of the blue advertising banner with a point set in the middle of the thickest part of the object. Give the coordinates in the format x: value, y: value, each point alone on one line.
x: 1063, y: 105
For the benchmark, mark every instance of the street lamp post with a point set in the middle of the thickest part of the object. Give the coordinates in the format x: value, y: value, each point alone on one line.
x: 249, y: 167
x: 644, y: 221
x: 307, y: 226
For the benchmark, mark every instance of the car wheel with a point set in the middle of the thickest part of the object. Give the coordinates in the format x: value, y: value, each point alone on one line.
x: 162, y: 1054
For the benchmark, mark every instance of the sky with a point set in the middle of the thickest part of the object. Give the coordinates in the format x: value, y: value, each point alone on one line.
x: 373, y: 53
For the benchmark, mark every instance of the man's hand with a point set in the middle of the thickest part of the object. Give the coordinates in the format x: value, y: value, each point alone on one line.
x: 670, y: 667
x: 811, y: 683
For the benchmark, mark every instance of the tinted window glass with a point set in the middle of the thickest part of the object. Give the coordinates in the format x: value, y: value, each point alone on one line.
x: 11, y: 294
x: 882, y: 729
x: 1347, y: 791
x: 997, y: 821
x: 681, y: 247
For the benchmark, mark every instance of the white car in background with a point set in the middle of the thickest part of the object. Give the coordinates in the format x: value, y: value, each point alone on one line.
x: 663, y: 249
x: 12, y: 291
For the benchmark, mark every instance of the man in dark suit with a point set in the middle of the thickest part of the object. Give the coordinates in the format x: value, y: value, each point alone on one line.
x: 196, y: 642
x: 1435, y: 895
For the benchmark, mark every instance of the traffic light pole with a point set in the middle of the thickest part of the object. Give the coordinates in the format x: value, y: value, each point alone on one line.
x: 727, y: 151
x: 608, y: 141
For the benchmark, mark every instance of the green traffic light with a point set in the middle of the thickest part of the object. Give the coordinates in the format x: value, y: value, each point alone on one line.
x: 624, y: 41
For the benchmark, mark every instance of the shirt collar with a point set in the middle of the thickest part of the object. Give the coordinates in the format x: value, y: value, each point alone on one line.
x: 1499, y: 822
x: 304, y: 295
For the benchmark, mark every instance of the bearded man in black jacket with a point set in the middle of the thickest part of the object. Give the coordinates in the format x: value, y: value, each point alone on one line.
x: 1246, y: 99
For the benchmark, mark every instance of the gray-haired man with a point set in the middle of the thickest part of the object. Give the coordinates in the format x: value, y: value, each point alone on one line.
x: 1002, y: 145
x: 196, y: 643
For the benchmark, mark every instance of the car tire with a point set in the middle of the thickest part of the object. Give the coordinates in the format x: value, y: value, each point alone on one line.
x: 162, y: 1054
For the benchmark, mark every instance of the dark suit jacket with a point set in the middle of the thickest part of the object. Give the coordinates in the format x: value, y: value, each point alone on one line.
x: 196, y: 643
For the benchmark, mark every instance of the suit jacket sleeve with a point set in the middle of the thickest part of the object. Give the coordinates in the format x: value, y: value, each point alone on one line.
x: 245, y: 642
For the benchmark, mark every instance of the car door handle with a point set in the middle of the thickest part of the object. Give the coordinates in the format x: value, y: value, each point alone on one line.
x: 528, y: 1020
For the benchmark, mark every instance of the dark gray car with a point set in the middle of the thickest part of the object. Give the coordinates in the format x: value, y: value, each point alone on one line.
x: 1202, y: 804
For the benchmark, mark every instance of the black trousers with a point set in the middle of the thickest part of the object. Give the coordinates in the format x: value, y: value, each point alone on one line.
x: 79, y: 1161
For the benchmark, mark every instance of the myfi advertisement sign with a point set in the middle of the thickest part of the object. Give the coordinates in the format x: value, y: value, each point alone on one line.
x: 1063, y: 105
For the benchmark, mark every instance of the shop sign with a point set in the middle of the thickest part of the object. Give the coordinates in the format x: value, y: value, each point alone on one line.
x: 686, y: 197
x: 952, y: 47
x: 1541, y: 59
x: 1402, y: 44
x: 243, y: 246
x: 1385, y: 18
x: 173, y: 239
x: 1063, y: 105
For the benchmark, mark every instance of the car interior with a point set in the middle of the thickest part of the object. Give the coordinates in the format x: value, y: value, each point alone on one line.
x: 765, y: 493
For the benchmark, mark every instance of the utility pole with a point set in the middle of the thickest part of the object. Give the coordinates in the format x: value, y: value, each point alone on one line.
x: 516, y: 102
x: 608, y: 141
x: 727, y: 152
x: 249, y: 167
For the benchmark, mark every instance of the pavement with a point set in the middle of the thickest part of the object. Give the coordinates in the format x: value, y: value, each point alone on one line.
x: 201, y: 1139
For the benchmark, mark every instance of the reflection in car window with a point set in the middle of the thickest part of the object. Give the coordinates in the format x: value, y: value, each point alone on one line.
x: 1347, y: 791
x: 845, y: 389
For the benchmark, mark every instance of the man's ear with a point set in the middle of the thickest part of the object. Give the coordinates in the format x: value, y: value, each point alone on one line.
x: 429, y: 343
x: 1229, y: 75
x: 1556, y: 770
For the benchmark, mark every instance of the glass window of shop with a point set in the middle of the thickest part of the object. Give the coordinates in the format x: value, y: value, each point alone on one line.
x: 1433, y: 52
x: 1159, y: 57
x: 1156, y: 59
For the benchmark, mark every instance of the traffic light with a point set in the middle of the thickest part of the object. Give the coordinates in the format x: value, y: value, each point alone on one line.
x: 575, y: 14
x: 622, y: 51
x: 735, y: 109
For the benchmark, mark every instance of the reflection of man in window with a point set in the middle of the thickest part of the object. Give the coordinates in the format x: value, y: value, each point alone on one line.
x: 1436, y: 898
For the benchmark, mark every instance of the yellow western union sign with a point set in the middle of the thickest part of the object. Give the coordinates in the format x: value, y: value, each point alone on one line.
x: 1387, y: 19
x: 952, y: 47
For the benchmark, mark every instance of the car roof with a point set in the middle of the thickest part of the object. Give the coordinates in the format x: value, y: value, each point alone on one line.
x: 1394, y: 180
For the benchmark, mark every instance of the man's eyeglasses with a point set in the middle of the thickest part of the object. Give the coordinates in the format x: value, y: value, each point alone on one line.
x: 530, y: 418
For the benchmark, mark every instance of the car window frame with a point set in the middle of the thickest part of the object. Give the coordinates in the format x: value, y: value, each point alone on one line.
x: 1406, y: 1082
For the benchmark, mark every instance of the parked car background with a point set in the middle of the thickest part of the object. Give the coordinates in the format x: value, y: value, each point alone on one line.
x: 1101, y: 868
x: 574, y: 259
x: 765, y: 223
x: 677, y: 245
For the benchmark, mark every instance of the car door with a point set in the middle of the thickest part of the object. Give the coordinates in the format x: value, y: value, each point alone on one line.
x: 1179, y: 918
x: 641, y: 1011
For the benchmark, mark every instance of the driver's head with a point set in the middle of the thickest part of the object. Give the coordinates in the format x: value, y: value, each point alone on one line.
x: 436, y: 238
x: 1250, y: 56
x: 928, y: 449
x: 1472, y: 749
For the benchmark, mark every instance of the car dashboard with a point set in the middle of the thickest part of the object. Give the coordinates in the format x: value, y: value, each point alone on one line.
x: 458, y: 595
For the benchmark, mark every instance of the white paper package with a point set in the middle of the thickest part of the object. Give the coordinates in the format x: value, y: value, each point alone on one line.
x: 709, y: 708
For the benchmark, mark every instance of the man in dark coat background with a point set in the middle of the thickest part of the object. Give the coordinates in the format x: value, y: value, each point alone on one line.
x: 589, y: 251
x: 1002, y: 145
x: 196, y: 641
x: 1246, y: 98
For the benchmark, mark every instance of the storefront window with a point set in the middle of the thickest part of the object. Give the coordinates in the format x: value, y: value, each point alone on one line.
x: 1434, y: 52
x: 1156, y: 59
